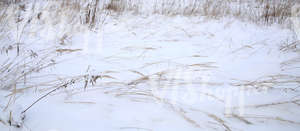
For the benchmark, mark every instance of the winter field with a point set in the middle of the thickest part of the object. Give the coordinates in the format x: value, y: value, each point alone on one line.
x: 150, y: 65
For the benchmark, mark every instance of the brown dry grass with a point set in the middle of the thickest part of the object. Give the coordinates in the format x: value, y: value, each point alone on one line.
x: 270, y: 82
x: 94, y: 13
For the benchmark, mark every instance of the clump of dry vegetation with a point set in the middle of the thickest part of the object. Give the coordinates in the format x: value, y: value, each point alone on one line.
x: 257, y: 11
x: 94, y: 12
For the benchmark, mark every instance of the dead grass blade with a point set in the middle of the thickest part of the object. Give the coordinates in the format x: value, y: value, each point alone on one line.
x: 271, y: 118
x: 270, y: 104
x: 138, y: 81
x: 219, y: 120
x: 65, y: 85
x: 1, y: 121
x: 137, y: 72
x: 67, y: 50
x: 204, y: 65
x: 241, y: 119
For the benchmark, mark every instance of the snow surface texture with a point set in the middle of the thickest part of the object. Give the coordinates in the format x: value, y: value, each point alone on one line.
x: 152, y: 73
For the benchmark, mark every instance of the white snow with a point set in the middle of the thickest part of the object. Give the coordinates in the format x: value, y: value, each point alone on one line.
x: 162, y: 73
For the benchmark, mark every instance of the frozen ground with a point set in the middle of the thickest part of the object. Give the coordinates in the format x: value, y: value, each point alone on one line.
x: 160, y: 73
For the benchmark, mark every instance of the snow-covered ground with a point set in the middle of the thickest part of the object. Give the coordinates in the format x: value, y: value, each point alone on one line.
x: 158, y: 73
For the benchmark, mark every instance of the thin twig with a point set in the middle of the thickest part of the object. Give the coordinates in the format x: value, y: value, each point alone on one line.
x: 62, y: 86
